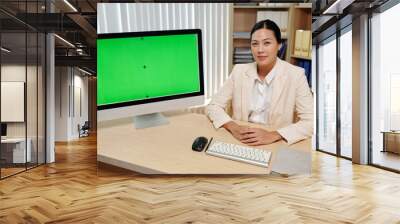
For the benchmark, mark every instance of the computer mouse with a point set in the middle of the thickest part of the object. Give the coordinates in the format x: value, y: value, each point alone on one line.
x: 199, y: 144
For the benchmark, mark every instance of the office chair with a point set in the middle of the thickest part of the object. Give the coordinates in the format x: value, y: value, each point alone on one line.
x: 84, y: 130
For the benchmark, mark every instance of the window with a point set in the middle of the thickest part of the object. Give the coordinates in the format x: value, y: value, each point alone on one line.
x: 394, y: 119
x: 385, y: 88
x: 327, y: 96
x: 346, y: 92
x: 22, y: 65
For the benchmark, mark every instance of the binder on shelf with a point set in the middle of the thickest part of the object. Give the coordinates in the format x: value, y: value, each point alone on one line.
x: 284, y: 23
x: 279, y: 17
x: 305, y: 43
x: 310, y: 47
x: 302, y: 45
x: 306, y: 65
x: 297, y: 42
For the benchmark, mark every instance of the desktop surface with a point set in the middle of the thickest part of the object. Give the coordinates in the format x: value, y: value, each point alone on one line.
x: 167, y: 149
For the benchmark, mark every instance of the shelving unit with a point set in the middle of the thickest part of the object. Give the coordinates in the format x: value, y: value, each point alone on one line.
x: 300, y: 57
x: 301, y: 20
x: 245, y: 16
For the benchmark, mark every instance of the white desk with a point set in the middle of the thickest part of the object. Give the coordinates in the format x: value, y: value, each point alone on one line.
x: 167, y: 149
x: 19, y: 149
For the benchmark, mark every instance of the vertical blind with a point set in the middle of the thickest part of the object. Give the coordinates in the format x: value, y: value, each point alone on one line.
x: 211, y: 18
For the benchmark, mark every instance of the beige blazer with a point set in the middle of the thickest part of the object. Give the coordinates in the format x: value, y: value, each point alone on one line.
x: 290, y: 95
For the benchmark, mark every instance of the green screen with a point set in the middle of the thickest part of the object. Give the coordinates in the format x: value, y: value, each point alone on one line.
x: 138, y: 68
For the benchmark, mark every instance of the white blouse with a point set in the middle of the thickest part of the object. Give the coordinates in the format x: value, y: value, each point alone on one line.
x: 261, y: 98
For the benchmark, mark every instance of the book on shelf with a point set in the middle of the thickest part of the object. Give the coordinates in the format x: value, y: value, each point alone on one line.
x: 305, y: 43
x: 241, y: 35
x: 284, y: 22
x: 282, y: 51
x: 242, y: 55
x: 242, y: 61
x: 246, y: 3
x: 304, y: 5
x: 274, y: 5
x: 242, y: 50
x: 279, y: 17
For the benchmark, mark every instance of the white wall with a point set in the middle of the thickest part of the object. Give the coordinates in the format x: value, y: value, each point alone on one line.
x: 12, y: 101
x: 12, y: 73
x: 80, y: 109
x: 82, y: 83
x: 33, y: 127
x: 62, y: 81
x: 70, y: 81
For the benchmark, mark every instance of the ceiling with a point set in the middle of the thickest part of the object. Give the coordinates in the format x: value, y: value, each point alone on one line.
x: 76, y: 24
x: 327, y: 21
x: 76, y: 21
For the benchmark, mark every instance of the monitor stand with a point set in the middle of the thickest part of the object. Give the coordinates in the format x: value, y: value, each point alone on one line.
x: 149, y: 120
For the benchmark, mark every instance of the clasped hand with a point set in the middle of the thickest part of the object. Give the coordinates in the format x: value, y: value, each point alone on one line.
x: 254, y: 136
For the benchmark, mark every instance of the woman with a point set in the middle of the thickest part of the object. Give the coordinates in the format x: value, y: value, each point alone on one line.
x: 269, y: 91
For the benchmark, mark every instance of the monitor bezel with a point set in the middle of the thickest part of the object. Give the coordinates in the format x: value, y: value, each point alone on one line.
x: 158, y: 33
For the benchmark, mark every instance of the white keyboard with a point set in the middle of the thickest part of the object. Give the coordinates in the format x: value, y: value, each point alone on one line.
x: 240, y: 153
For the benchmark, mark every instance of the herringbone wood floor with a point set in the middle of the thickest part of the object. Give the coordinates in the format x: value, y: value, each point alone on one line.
x: 74, y: 190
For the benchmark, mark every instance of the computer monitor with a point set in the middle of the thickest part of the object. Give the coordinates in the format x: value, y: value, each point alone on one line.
x: 143, y: 73
x: 3, y: 130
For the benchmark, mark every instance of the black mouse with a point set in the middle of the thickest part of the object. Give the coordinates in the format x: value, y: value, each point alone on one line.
x: 199, y: 144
